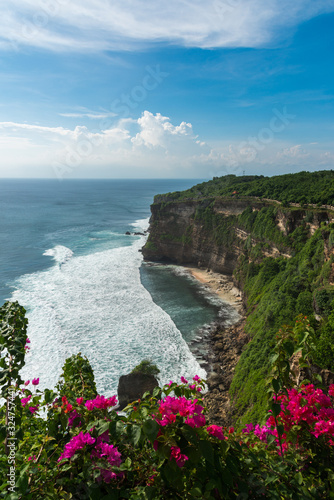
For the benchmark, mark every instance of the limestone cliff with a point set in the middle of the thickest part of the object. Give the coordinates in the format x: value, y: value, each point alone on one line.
x: 212, y: 232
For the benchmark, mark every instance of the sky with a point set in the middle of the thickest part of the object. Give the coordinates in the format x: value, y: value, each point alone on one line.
x: 157, y: 89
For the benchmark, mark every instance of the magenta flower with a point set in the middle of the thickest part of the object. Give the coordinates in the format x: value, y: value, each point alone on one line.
x: 180, y: 459
x: 249, y: 428
x: 196, y: 378
x: 216, y: 431
x: 108, y: 452
x: 35, y: 381
x: 196, y: 421
x: 33, y: 409
x: 79, y: 401
x: 27, y: 382
x: 26, y: 400
x: 101, y: 402
x: 77, y: 443
x: 331, y: 390
x: 72, y: 417
x: 183, y: 380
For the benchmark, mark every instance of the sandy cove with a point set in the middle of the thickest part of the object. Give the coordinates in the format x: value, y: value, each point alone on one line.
x: 221, y: 284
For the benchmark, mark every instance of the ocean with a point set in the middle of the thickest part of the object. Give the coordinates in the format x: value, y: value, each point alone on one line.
x: 65, y: 257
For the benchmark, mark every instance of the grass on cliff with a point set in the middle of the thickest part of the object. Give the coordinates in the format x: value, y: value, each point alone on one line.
x: 302, y: 187
x: 277, y: 290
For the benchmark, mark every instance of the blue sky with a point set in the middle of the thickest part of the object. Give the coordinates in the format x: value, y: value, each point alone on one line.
x: 188, y: 89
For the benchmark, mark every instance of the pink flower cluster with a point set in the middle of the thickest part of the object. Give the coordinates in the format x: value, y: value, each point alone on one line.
x: 25, y: 401
x: 103, y: 451
x: 27, y: 347
x: 180, y: 459
x: 101, y: 403
x: 109, y: 453
x: 77, y: 443
x: 216, y: 431
x: 171, y: 407
x: 310, y: 407
x: 307, y: 407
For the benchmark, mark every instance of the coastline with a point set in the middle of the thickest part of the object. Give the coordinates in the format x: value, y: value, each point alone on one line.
x: 221, y: 284
x: 225, y: 345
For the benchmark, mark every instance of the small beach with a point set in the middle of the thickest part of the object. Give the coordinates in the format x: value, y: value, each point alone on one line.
x: 221, y: 284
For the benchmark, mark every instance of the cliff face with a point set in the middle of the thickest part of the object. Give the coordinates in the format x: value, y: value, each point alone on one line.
x: 190, y: 232
x: 237, y: 235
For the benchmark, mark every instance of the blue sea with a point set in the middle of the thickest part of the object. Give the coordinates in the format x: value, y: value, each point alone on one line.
x: 65, y: 257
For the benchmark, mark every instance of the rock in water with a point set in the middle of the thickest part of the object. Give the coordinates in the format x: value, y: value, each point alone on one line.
x: 132, y: 387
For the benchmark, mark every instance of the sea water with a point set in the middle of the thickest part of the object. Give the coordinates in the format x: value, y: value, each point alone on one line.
x: 65, y: 257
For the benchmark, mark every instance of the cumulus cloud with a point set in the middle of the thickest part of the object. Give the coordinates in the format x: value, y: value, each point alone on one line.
x: 150, y: 146
x: 81, y: 25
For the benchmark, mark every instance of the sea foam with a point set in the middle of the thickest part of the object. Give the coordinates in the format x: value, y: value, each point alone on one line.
x: 97, y: 305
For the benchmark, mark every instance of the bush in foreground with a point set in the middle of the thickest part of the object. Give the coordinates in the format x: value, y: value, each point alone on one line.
x: 70, y: 442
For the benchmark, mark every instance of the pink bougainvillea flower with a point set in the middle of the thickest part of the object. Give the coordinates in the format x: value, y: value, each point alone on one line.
x: 250, y: 427
x: 183, y: 380
x: 196, y: 421
x: 32, y: 458
x: 35, y: 381
x: 79, y: 401
x: 101, y: 403
x: 26, y: 400
x: 33, y: 409
x: 77, y: 443
x: 192, y: 387
x: 216, y: 431
x: 331, y: 390
x: 74, y: 416
x: 27, y: 382
x: 196, y: 378
x: 180, y: 459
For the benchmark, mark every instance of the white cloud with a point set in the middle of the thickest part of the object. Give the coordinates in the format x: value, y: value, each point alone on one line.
x: 83, y: 25
x: 293, y: 152
x: 149, y: 146
x: 93, y: 115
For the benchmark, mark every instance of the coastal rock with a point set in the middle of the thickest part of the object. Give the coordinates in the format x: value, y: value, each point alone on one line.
x: 132, y: 387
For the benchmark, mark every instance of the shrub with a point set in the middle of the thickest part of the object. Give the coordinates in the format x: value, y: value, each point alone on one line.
x: 147, y: 367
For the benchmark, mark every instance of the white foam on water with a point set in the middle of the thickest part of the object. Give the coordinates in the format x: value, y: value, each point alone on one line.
x: 97, y: 305
x: 60, y: 254
x: 141, y: 224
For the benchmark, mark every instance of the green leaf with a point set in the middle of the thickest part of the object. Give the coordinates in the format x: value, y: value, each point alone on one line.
x: 134, y: 433
x: 289, y: 348
x: 196, y: 493
x: 190, y: 434
x: 270, y: 438
x: 207, y: 450
x: 276, y: 385
x: 126, y: 465
x: 22, y: 483
x: 280, y: 429
x: 276, y: 408
x: 299, y: 478
x: 102, y: 426
x: 151, y: 429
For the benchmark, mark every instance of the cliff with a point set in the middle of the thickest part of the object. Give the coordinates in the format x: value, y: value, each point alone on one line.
x: 280, y: 256
x: 212, y: 232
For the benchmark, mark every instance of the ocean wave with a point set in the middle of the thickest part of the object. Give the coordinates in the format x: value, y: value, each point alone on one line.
x: 141, y: 224
x: 97, y: 305
x: 60, y: 254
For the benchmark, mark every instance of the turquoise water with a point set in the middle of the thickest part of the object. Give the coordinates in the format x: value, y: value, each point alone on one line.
x: 65, y: 257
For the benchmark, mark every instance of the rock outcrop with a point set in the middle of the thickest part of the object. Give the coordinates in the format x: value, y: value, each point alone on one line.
x: 132, y: 387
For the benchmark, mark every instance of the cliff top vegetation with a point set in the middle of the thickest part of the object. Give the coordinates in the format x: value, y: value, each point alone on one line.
x: 302, y: 187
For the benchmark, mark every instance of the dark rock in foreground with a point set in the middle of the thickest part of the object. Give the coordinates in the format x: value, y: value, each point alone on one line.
x: 132, y: 387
